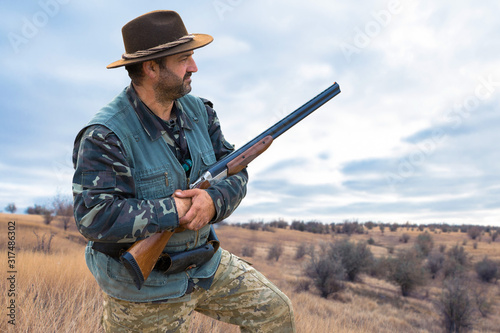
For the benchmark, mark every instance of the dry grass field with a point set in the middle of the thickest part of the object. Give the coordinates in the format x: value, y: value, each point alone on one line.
x: 55, y: 292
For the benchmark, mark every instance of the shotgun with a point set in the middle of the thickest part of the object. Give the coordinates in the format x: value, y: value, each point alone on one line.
x: 141, y: 257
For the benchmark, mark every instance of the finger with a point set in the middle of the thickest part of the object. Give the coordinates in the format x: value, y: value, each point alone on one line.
x: 196, y: 225
x: 188, y: 218
x: 185, y: 193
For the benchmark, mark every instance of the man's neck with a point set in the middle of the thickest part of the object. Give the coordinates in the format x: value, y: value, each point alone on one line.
x: 147, y: 96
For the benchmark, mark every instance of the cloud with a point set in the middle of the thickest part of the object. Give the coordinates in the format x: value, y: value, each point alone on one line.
x: 411, y: 135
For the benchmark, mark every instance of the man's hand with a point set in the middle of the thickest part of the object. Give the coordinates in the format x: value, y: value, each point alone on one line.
x: 200, y: 212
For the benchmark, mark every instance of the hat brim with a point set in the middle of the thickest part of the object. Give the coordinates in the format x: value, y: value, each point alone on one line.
x: 198, y: 41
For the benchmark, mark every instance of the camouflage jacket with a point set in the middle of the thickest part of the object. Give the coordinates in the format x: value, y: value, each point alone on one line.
x: 107, y: 207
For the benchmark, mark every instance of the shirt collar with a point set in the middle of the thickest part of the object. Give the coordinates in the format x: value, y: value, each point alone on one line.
x: 149, y: 122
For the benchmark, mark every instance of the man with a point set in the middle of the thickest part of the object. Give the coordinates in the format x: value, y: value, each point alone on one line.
x: 133, y: 163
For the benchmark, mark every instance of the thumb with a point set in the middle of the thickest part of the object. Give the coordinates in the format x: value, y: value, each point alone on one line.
x: 184, y: 194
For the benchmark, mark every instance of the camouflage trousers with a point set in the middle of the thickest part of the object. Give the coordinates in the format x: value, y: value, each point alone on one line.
x: 239, y: 295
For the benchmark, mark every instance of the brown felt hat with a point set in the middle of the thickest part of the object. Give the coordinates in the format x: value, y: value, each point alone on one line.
x: 155, y: 35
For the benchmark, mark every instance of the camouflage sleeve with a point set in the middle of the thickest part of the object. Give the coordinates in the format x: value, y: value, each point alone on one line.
x: 228, y: 193
x: 106, y: 209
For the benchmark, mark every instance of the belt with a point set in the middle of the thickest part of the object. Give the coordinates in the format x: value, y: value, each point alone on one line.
x: 169, y: 263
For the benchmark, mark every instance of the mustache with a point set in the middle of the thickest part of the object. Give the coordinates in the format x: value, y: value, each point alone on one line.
x: 188, y: 75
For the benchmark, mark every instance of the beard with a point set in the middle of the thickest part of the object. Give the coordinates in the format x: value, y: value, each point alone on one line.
x: 171, y: 87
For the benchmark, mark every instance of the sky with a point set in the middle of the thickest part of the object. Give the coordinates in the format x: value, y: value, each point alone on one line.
x: 413, y: 136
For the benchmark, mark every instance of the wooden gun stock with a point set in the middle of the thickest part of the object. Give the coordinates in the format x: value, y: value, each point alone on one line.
x: 142, y: 256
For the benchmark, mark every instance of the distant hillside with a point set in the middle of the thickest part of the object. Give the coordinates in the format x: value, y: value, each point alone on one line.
x: 28, y: 227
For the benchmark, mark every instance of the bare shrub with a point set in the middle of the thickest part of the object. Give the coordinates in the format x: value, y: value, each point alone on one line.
x: 247, y: 251
x: 48, y: 216
x: 404, y: 238
x: 474, y: 232
x: 435, y: 263
x: 355, y: 258
x: 424, y: 244
x: 11, y: 208
x: 452, y: 268
x: 326, y: 273
x: 458, y: 254
x: 406, y: 270
x: 42, y: 245
x: 486, y: 269
x: 275, y: 252
x: 63, y: 208
x: 304, y: 249
x: 456, y: 306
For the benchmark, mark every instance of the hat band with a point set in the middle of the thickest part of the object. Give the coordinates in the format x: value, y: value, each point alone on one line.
x: 159, y: 48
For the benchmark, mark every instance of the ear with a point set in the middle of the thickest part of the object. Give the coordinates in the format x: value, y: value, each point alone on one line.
x: 150, y: 69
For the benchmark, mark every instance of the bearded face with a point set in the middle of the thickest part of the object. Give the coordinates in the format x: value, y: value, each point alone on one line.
x: 170, y: 86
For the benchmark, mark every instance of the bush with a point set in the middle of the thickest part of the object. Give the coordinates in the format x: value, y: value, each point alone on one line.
x: 355, y: 258
x: 424, y: 244
x: 455, y: 306
x: 458, y: 254
x: 327, y: 274
x: 406, y: 271
x: 11, y: 208
x: 247, y: 251
x: 404, y: 238
x: 298, y: 225
x: 452, y: 268
x: 280, y: 224
x: 304, y: 249
x: 435, y: 263
x: 474, y: 232
x: 494, y: 235
x: 41, y: 244
x: 48, y: 216
x: 369, y: 225
x: 486, y: 269
x: 275, y: 252
x: 350, y: 228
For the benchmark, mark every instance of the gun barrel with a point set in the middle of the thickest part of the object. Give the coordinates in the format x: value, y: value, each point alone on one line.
x: 281, y: 126
x: 296, y: 116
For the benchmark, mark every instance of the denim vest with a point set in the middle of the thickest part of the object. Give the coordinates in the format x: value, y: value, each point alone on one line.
x: 157, y: 174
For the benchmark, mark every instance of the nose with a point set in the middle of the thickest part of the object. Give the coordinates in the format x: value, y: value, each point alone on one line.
x: 192, y: 66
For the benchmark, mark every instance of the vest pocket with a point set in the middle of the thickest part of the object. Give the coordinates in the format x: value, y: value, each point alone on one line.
x: 153, y: 184
x: 208, y: 158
